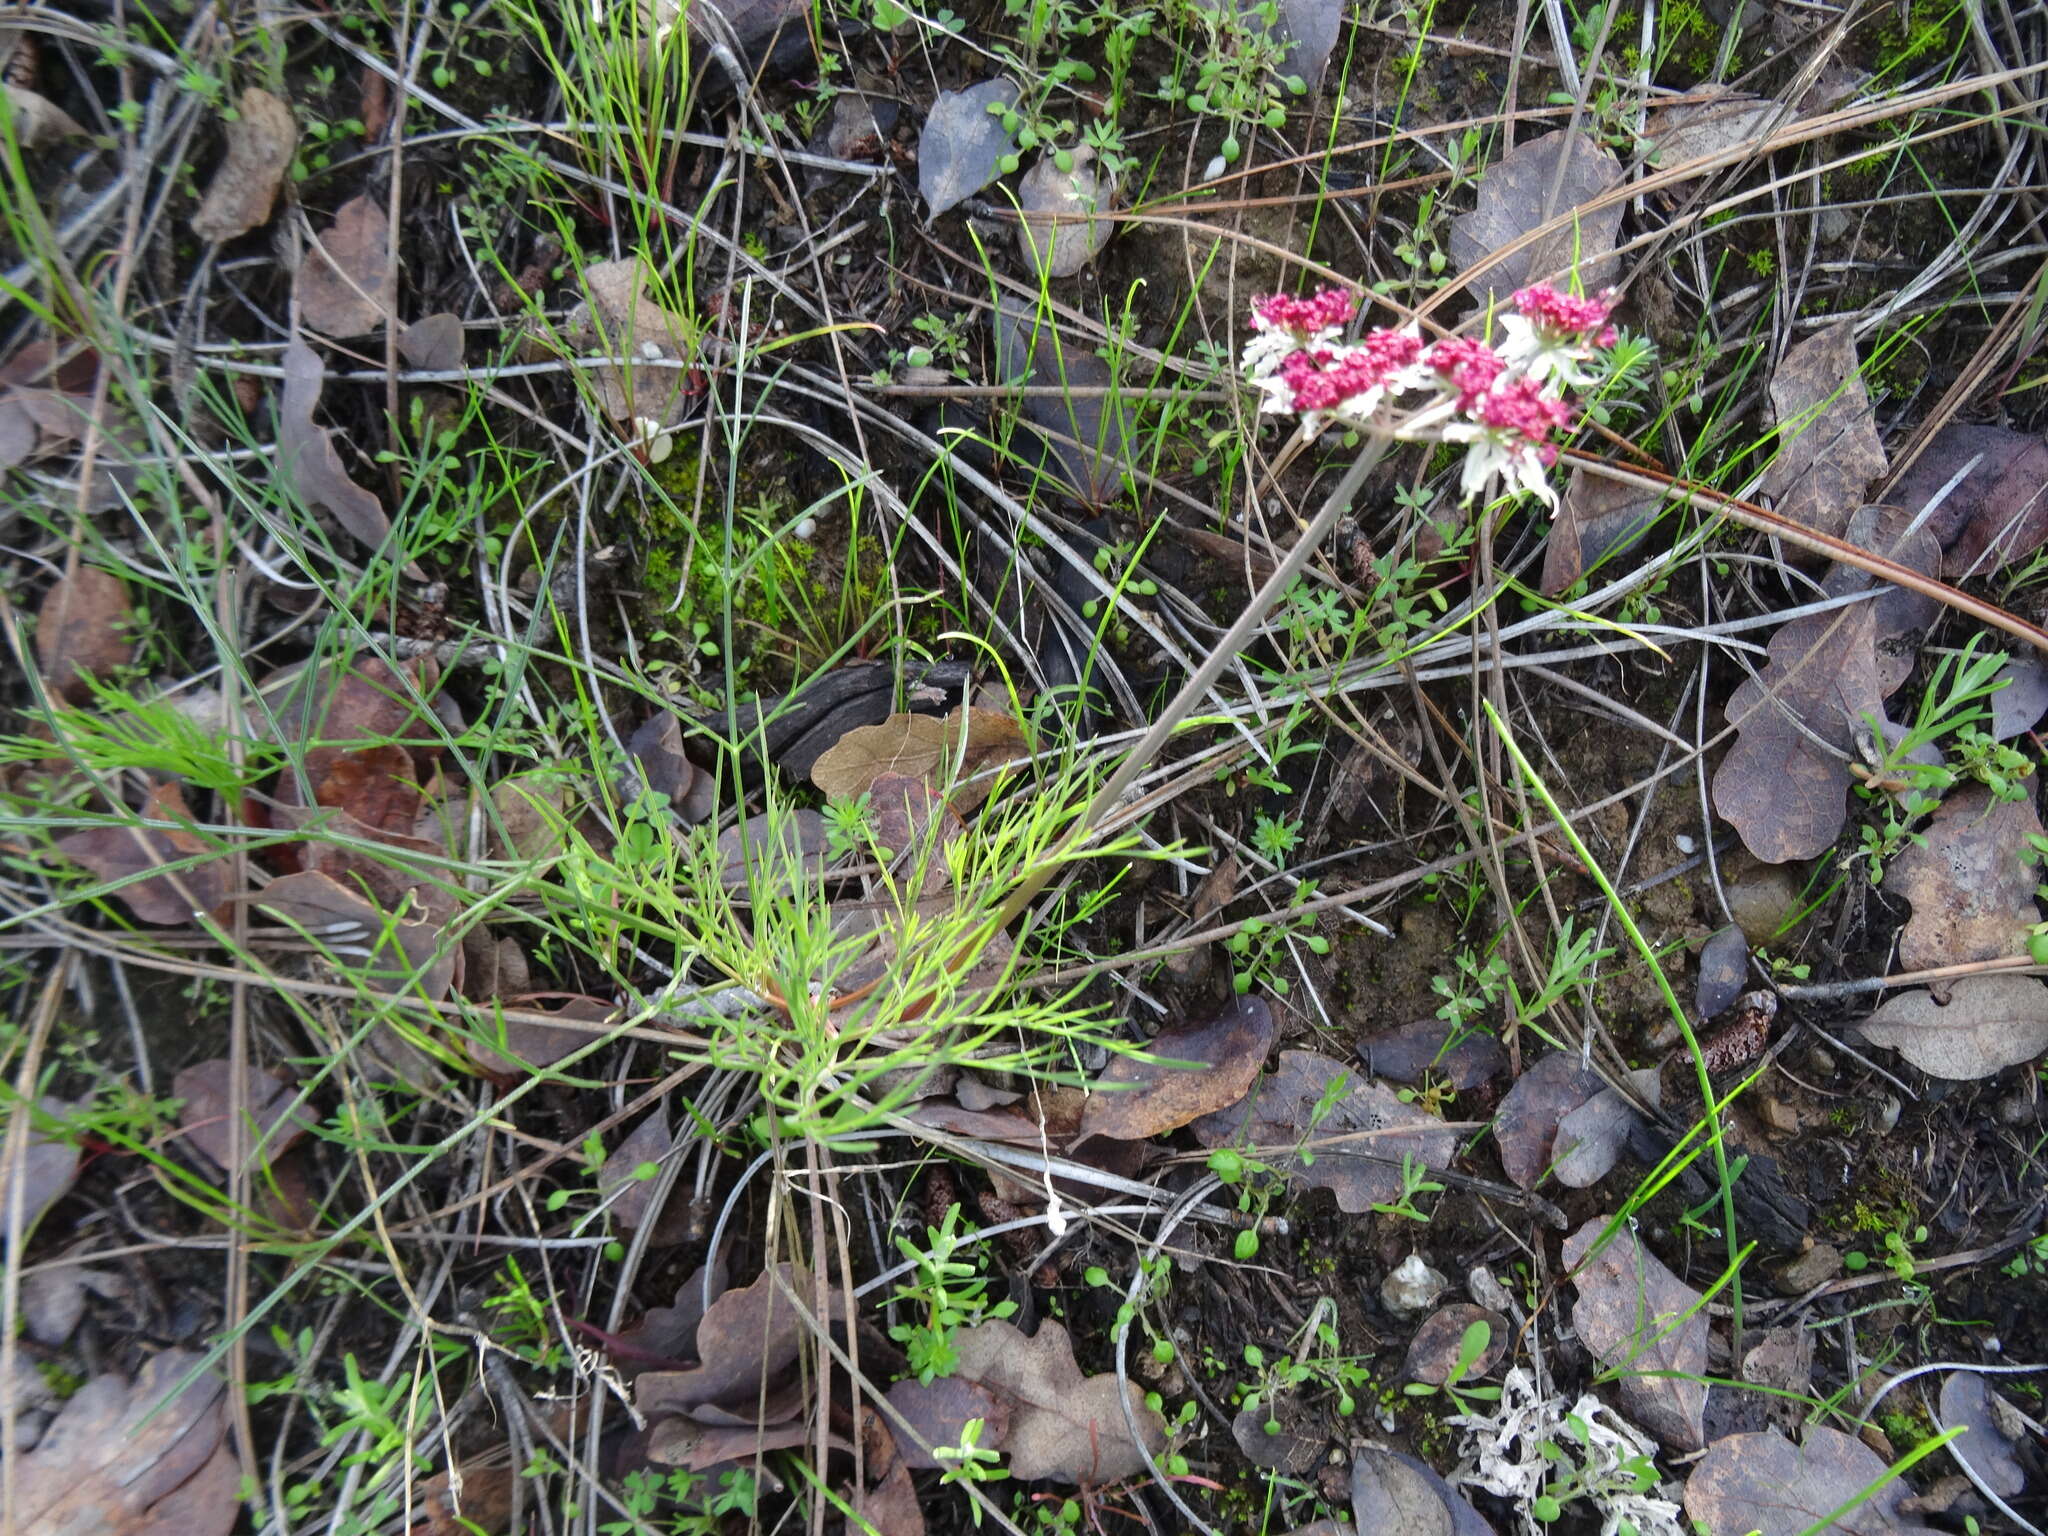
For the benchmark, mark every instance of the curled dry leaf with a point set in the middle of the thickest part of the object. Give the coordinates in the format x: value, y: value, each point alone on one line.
x: 1828, y: 448
x: 1599, y: 519
x: 342, y: 284
x: 1990, y: 1023
x: 1638, y: 1319
x: 1192, y: 1070
x: 1592, y: 1136
x: 140, y: 1459
x: 137, y: 855
x: 944, y: 752
x: 1062, y: 1425
x: 1765, y: 1484
x: 963, y: 143
x: 261, y: 142
x: 433, y: 343
x: 38, y: 120
x: 392, y: 956
x: 1439, y: 1343
x: 308, y: 459
x: 657, y: 746
x: 618, y: 319
x: 1389, y: 1494
x: 1082, y: 425
x: 1377, y: 1130
x: 1525, y: 1125
x: 276, y: 1120
x: 625, y: 1181
x: 82, y: 632
x: 1061, y: 231
x: 1970, y: 884
x: 1517, y: 197
x: 1784, y: 782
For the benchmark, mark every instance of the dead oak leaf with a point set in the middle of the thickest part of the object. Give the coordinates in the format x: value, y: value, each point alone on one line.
x: 48, y: 1165
x: 134, y: 859
x: 342, y: 286
x: 140, y: 1459
x: 261, y: 141
x: 82, y: 632
x: 1828, y: 448
x: 1784, y: 782
x: 1358, y: 1134
x: 1765, y: 1484
x: 944, y: 752
x: 307, y: 457
x: 962, y: 145
x: 1524, y: 191
x: 1187, y: 1071
x: 747, y: 1346
x: 1062, y: 1425
x: 1061, y: 231
x: 1989, y: 1023
x: 1525, y: 1125
x: 1968, y: 879
x: 618, y: 319
x: 406, y: 953
x: 1997, y: 513
x: 1641, y: 1320
x: 276, y: 1120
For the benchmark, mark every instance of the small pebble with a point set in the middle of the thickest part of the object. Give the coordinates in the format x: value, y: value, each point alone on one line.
x: 1413, y: 1287
x: 1685, y: 844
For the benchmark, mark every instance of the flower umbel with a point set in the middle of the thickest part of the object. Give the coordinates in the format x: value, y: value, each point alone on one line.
x: 1504, y: 403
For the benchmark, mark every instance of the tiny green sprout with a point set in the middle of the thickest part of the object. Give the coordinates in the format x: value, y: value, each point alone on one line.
x: 557, y: 1200
x: 645, y: 1171
x: 1064, y: 159
x: 1095, y: 1275
x: 1231, y: 150
x: 1545, y: 1508
x: 1163, y: 1351
x: 1228, y: 1166
x: 2037, y: 948
x: 1254, y: 1357
x: 1007, y: 164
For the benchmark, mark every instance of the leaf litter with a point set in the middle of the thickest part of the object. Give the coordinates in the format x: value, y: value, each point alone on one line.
x: 1642, y: 1321
x: 1829, y: 450
x: 963, y: 143
x: 1988, y: 1023
x: 1969, y: 880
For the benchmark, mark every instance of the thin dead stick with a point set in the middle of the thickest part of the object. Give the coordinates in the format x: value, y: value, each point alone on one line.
x: 1753, y: 516
x: 1201, y: 681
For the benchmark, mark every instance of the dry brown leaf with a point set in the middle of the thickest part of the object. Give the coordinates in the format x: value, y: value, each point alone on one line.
x: 1062, y: 1425
x: 82, y: 632
x: 1599, y: 519
x: 1699, y: 129
x: 657, y: 746
x: 307, y: 457
x: 1082, y: 439
x: 1997, y: 513
x: 341, y: 286
x: 433, y: 343
x: 170, y: 897
x: 338, y: 708
x: 618, y: 319
x: 347, y: 922
x: 261, y: 142
x: 1966, y: 1404
x: 47, y: 1169
x: 936, y: 1412
x: 1828, y: 448
x: 1969, y: 881
x: 1632, y: 1314
x: 1592, y: 1137
x: 1136, y: 1099
x: 961, y: 143
x: 1525, y: 1125
x: 1067, y: 233
x: 748, y: 1339
x: 1364, y: 1168
x: 483, y: 1505
x: 526, y: 1044
x: 891, y: 1506
x: 631, y: 1196
x: 1724, y: 967
x: 273, y: 1127
x: 1903, y: 616
x: 943, y: 752
x: 38, y: 120
x: 376, y: 787
x: 1989, y: 1024
x: 1783, y: 790
x: 134, y: 1460
x: 1765, y: 1484
x: 1389, y: 1494
x: 1439, y: 1343
x: 1433, y: 1048
x: 1516, y: 197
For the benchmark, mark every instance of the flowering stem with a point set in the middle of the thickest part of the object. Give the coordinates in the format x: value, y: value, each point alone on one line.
x: 1204, y: 677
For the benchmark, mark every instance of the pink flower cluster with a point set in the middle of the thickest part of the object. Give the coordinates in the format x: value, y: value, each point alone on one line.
x: 1504, y: 403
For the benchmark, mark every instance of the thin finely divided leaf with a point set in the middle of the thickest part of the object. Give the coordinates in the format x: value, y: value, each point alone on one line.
x: 1517, y: 197
x: 1969, y: 881
x: 1989, y: 1024
x: 1629, y: 1314
x: 1828, y: 447
x: 1783, y: 785
x: 1311, y: 1098
x: 342, y: 287
x: 261, y: 141
x: 1765, y: 1484
x: 962, y: 145
x: 1066, y: 234
x: 1998, y: 513
x: 1196, y: 1069
x: 140, y: 1459
x: 307, y: 456
x: 82, y: 632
